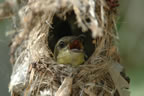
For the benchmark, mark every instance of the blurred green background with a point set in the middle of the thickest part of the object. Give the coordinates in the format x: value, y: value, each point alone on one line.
x: 131, y: 45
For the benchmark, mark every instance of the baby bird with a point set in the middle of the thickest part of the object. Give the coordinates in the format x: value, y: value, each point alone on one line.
x: 70, y: 50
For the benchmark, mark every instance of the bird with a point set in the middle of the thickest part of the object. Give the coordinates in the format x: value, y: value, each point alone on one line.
x: 70, y: 50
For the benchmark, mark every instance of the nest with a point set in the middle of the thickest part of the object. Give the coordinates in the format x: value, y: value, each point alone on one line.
x: 42, y: 23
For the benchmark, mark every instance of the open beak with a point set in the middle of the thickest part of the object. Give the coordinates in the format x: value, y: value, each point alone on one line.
x: 76, y: 45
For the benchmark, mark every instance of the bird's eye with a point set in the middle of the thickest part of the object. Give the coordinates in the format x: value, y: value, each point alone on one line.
x: 62, y: 44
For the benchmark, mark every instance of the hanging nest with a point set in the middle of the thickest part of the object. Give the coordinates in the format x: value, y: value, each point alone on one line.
x: 41, y: 23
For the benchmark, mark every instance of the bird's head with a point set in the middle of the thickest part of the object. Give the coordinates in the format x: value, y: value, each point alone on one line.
x: 68, y: 49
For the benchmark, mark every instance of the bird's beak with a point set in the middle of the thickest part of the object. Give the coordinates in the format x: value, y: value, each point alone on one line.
x: 76, y: 45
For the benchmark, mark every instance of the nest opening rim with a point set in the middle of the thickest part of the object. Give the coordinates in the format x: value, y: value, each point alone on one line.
x: 68, y: 27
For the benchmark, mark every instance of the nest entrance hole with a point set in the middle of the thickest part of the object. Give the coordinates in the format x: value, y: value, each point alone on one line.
x: 68, y: 27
